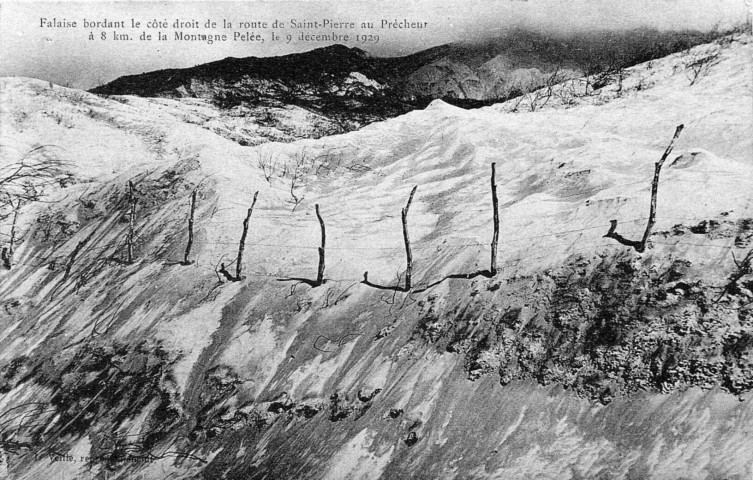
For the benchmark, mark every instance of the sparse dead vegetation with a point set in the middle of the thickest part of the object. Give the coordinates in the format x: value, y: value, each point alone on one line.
x: 267, y: 165
x: 24, y: 181
x: 699, y: 65
x: 538, y: 93
x: 27, y: 178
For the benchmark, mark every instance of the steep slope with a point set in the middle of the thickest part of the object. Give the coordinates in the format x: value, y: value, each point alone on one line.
x: 581, y: 358
x: 446, y: 78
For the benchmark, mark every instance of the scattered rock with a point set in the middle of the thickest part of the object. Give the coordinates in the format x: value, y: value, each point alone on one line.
x: 411, y: 439
x: 395, y: 413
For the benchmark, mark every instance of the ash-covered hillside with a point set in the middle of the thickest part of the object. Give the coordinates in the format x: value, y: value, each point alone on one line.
x: 337, y: 89
x: 124, y: 352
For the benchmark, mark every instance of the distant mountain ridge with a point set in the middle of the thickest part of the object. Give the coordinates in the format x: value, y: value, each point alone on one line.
x: 344, y: 88
x: 298, y: 67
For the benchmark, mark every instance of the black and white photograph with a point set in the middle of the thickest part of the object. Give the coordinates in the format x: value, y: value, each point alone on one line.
x: 376, y: 240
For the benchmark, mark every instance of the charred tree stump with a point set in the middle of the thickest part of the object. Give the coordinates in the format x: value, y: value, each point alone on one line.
x: 406, y: 237
x: 320, y: 271
x: 242, y: 246
x: 186, y: 261
x: 495, y: 237
x: 640, y: 246
x: 7, y: 253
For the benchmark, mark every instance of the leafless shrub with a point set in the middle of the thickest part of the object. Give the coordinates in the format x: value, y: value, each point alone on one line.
x: 538, y: 93
x: 267, y: 165
x: 297, y: 170
x: 294, y: 184
x: 516, y: 106
x: 613, y: 74
x: 327, y: 163
x: 618, y: 65
x: 591, y: 73
x: 26, y: 178
x: 539, y: 98
x: 24, y: 181
x: 699, y: 66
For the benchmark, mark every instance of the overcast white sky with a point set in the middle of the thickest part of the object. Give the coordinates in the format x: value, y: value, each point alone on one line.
x: 67, y: 56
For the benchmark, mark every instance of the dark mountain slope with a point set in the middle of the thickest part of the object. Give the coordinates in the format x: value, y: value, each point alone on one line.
x: 337, y: 89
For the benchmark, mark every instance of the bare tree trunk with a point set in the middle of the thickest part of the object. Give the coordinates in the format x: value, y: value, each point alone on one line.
x: 495, y: 237
x: 9, y: 250
x: 186, y: 261
x: 655, y: 189
x: 242, y: 245
x: 408, y: 255
x: 320, y: 271
x: 640, y: 246
x: 131, y: 223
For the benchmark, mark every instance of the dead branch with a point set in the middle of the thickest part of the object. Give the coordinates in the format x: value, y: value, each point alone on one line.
x: 27, y: 178
x: 266, y: 165
x: 408, y: 255
x: 320, y: 270
x: 242, y: 246
x: 495, y: 237
x: 186, y: 261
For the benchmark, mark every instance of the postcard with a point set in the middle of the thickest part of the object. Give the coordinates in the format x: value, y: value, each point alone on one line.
x: 311, y: 239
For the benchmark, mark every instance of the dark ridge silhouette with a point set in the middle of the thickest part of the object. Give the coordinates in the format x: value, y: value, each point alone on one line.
x: 465, y: 75
x: 524, y: 49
